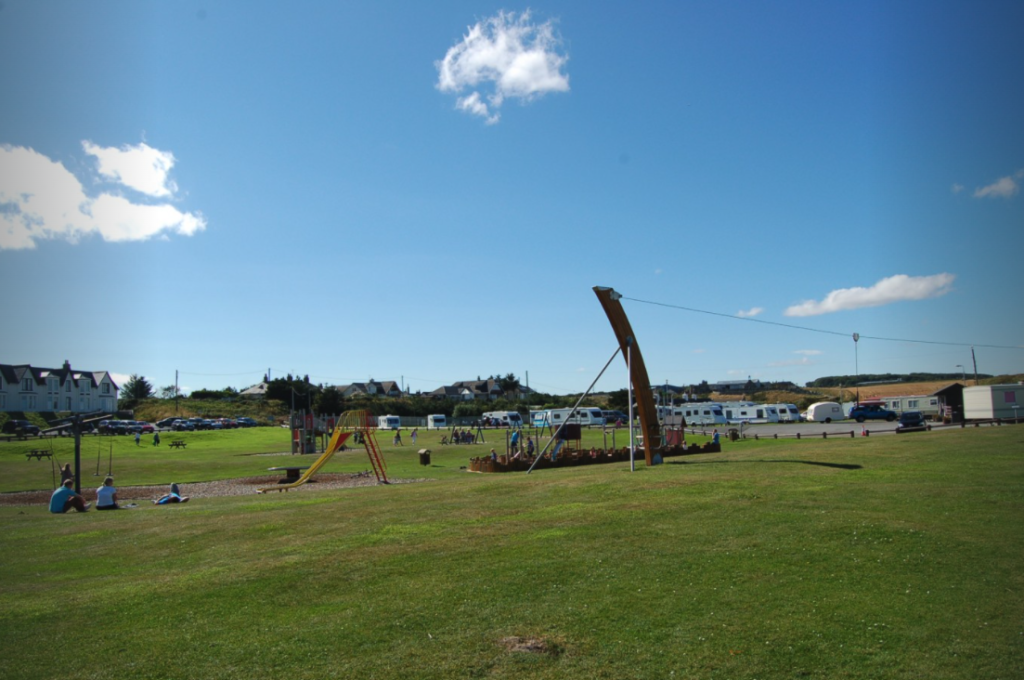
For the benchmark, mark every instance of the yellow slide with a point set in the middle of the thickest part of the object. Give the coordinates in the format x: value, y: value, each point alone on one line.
x: 337, y: 440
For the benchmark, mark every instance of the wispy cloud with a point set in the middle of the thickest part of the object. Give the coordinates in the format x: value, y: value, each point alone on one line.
x: 1004, y: 187
x: 892, y: 289
x: 956, y: 188
x: 753, y: 311
x: 503, y: 57
x: 41, y: 199
x: 808, y: 352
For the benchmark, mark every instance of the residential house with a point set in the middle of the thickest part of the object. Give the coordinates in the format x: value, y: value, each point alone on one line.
x: 469, y: 390
x: 372, y: 388
x: 30, y: 388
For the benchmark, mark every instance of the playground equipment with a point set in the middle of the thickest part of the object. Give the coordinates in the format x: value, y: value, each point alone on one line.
x: 360, y: 426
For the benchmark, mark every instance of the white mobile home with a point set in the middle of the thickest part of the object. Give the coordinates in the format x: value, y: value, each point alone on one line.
x: 928, y: 405
x: 993, y: 401
x: 437, y: 422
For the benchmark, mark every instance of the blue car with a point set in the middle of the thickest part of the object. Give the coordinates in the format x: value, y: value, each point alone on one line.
x: 872, y: 411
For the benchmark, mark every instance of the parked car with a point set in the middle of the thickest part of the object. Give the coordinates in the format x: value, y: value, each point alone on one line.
x: 147, y: 428
x: 183, y: 426
x: 872, y: 411
x: 912, y: 420
x: 245, y: 421
x: 167, y: 422
x: 21, y: 428
x: 612, y: 417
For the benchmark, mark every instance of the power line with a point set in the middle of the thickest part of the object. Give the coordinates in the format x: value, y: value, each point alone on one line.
x: 818, y: 330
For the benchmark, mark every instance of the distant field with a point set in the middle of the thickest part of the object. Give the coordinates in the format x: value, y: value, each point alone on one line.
x: 880, y: 557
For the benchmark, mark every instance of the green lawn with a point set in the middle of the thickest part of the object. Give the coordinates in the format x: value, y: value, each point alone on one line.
x: 881, y: 557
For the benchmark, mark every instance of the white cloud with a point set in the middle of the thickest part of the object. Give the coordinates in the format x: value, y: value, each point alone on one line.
x: 753, y: 311
x: 141, y: 167
x: 808, y: 352
x: 507, y: 56
x: 892, y: 289
x: 802, y: 361
x: 40, y: 199
x: 957, y: 188
x: 1004, y: 187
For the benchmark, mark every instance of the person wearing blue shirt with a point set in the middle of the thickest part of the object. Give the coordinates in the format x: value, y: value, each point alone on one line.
x: 65, y: 498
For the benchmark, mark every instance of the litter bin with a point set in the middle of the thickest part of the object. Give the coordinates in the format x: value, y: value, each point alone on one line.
x: 424, y: 457
x: 734, y: 434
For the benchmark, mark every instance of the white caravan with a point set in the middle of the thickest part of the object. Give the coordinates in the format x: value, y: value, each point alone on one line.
x: 756, y: 413
x: 554, y: 417
x: 507, y: 418
x: 788, y: 413
x: 698, y: 413
x: 824, y: 412
x: 388, y: 422
x: 437, y: 422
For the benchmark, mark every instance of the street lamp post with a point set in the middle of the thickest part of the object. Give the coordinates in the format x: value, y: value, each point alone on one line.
x: 856, y: 363
x: 963, y: 373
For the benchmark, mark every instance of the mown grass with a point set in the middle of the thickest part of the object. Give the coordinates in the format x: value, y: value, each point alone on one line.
x: 882, y: 557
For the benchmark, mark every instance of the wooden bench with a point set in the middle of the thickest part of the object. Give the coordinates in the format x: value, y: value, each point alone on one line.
x: 38, y: 454
x: 293, y: 473
x: 178, y: 444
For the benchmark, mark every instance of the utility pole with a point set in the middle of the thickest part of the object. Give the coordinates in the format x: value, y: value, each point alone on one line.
x: 975, y: 360
x: 856, y: 363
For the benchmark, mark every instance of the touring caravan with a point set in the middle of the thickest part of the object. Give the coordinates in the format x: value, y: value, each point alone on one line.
x: 982, y: 402
x: 788, y: 413
x: 757, y: 413
x: 388, y: 422
x: 706, y: 413
x: 504, y: 418
x: 557, y: 416
x: 824, y: 412
x: 437, y: 422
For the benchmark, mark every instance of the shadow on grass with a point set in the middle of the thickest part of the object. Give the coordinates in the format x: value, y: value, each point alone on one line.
x: 841, y: 466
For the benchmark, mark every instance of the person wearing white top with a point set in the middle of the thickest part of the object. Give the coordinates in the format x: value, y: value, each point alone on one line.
x: 106, y: 496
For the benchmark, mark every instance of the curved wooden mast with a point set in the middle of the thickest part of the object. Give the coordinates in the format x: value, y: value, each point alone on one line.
x: 641, y: 382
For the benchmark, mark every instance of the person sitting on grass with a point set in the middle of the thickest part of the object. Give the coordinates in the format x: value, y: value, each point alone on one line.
x: 173, y: 497
x: 65, y: 498
x: 106, y: 496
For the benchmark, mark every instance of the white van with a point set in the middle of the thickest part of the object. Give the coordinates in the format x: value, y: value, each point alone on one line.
x: 506, y: 418
x: 389, y: 422
x: 824, y: 412
x: 437, y: 422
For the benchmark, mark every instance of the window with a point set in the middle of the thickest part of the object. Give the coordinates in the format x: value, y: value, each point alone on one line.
x: 84, y: 387
x: 67, y: 403
x: 26, y: 385
x: 3, y: 400
x: 105, y: 388
x: 1010, y: 397
x: 67, y: 385
x: 912, y: 403
x: 28, y: 402
x: 52, y: 384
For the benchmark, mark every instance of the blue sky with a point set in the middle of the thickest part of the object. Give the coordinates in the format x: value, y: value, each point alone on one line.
x: 428, y: 192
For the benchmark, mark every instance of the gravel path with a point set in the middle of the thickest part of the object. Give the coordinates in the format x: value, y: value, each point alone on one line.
x: 226, y: 487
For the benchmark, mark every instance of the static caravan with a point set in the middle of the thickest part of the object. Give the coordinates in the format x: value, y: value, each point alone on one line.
x: 505, y: 418
x: 437, y: 422
x: 825, y: 412
x: 983, y: 402
x: 928, y: 405
x: 557, y: 416
x: 388, y: 422
x: 788, y: 413
x: 758, y: 413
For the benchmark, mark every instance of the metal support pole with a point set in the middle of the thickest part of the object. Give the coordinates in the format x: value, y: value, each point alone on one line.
x: 629, y: 392
x: 578, y: 402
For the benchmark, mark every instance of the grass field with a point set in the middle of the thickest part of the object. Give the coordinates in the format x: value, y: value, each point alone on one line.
x: 881, y: 557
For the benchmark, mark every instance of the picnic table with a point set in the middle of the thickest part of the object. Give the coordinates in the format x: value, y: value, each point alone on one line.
x: 38, y: 454
x: 293, y: 473
x: 178, y: 444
